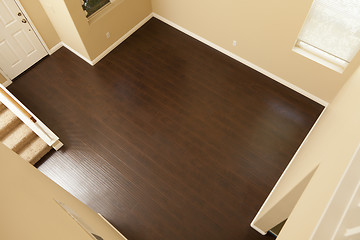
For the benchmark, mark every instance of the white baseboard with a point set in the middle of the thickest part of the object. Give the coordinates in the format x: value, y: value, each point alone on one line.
x: 109, y: 49
x: 78, y: 54
x: 201, y: 39
x: 123, y: 38
x: 244, y: 61
x: 55, y: 48
x: 7, y: 83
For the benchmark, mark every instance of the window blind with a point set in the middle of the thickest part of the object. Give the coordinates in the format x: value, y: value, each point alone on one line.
x: 333, y: 26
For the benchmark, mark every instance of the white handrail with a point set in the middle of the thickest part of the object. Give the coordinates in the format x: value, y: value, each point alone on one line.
x: 29, y: 119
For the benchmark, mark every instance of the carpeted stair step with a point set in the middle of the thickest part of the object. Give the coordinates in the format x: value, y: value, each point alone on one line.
x: 8, y: 121
x: 2, y: 106
x: 35, y: 150
x: 18, y: 137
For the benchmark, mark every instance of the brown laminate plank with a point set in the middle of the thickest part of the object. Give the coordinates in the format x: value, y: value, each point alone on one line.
x: 166, y: 137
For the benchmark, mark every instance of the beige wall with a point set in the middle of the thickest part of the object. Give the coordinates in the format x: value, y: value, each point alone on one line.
x: 60, y: 18
x: 38, y: 16
x: 331, y: 146
x: 28, y: 210
x: 121, y: 17
x: 265, y: 33
x: 89, y: 37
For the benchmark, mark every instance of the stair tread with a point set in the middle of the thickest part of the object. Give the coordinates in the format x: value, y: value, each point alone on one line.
x: 8, y: 121
x: 17, y: 138
x: 20, y: 138
x: 2, y: 106
x: 34, y: 150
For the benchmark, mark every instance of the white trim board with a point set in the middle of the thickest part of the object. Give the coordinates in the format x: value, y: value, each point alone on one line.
x: 109, y: 49
x: 123, y: 38
x: 201, y: 39
x: 55, y: 48
x: 244, y: 61
x: 78, y: 54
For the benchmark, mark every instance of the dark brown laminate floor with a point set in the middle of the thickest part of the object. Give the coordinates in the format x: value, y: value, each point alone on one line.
x: 166, y: 137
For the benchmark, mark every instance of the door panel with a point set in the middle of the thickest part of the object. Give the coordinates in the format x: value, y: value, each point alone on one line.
x: 20, y: 48
x: 25, y: 43
x: 5, y: 17
x: 8, y: 54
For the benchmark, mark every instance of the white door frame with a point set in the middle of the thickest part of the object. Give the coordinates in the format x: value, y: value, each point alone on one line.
x: 8, y: 80
x: 32, y: 26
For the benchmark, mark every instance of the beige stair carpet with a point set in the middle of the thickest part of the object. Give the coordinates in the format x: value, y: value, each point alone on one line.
x: 8, y: 121
x: 2, y: 106
x: 20, y: 138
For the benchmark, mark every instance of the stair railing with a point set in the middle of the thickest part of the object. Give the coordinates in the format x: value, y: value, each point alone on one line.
x: 25, y: 115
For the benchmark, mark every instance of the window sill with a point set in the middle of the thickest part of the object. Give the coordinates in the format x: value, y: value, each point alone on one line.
x: 104, y: 11
x: 322, y: 61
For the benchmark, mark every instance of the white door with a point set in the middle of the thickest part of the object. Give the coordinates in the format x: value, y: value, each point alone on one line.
x: 19, y: 46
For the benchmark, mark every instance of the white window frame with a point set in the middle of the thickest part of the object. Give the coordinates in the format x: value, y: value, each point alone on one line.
x: 99, y: 10
x: 318, y: 55
x: 328, y: 60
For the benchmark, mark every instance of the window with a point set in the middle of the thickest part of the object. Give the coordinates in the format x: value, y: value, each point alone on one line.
x: 331, y: 33
x: 91, y: 6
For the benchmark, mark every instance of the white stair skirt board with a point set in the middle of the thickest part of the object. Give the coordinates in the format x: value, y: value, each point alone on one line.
x: 244, y: 61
